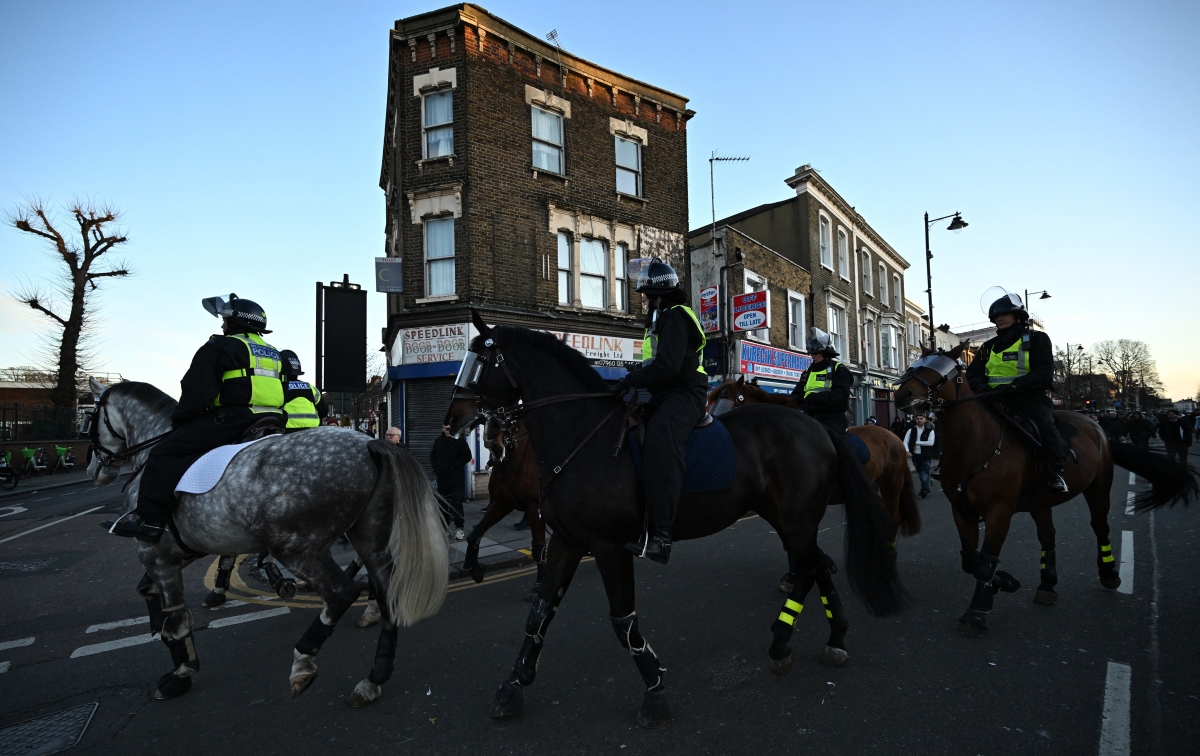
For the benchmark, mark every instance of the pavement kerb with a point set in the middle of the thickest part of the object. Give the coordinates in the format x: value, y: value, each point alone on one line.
x: 20, y: 490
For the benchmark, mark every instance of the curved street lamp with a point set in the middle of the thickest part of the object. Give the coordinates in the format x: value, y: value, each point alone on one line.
x: 956, y: 225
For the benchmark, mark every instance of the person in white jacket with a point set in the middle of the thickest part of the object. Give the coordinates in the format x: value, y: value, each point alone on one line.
x: 919, y: 442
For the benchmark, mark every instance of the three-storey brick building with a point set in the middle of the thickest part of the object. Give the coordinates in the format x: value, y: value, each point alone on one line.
x: 519, y: 179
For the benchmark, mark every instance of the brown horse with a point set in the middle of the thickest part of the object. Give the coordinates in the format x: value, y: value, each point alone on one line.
x: 887, y: 469
x: 513, y: 485
x: 989, y: 475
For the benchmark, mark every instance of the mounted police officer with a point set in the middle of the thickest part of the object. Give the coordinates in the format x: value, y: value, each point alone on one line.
x: 303, y: 402
x: 673, y: 370
x: 823, y: 391
x: 1017, y: 366
x: 233, y: 382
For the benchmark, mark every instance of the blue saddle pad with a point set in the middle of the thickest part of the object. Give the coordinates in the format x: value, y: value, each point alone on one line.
x: 859, y: 447
x: 709, y: 460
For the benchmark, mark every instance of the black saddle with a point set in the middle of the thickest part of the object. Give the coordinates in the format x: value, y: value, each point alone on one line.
x: 1029, y: 431
x: 267, y: 425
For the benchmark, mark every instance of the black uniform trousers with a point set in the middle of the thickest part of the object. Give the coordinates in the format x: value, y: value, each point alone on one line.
x: 675, y: 415
x: 170, y: 458
x: 835, y: 421
x: 1036, y: 406
x: 450, y: 485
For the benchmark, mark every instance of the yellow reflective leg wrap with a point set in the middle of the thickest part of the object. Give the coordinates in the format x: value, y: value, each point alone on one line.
x: 1106, y: 553
x: 791, y: 609
x: 785, y: 617
x: 828, y: 613
x: 795, y: 606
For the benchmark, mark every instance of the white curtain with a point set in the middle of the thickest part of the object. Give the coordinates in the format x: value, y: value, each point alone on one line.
x: 593, y: 270
x: 547, y: 128
x: 439, y: 112
x: 439, y: 256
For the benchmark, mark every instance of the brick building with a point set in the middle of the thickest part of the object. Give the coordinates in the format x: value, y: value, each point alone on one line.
x: 518, y: 180
x: 857, y: 280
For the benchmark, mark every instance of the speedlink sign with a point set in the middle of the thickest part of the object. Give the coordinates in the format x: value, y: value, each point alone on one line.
x: 751, y: 311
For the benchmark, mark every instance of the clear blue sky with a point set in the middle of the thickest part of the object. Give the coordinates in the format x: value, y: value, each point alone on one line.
x: 243, y: 142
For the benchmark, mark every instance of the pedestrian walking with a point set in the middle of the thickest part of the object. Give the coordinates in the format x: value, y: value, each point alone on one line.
x: 919, y: 441
x: 900, y: 426
x: 1140, y: 431
x: 448, y: 457
x: 1176, y: 436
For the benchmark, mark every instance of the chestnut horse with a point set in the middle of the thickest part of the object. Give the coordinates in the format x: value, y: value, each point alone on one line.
x: 990, y: 475
x: 513, y: 485
x: 887, y: 469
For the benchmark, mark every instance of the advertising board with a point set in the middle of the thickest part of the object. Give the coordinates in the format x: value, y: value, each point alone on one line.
x: 709, y: 311
x: 751, y: 311
x: 768, y: 362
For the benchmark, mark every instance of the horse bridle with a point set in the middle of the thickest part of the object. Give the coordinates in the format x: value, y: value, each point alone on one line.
x: 107, y: 457
x: 953, y: 370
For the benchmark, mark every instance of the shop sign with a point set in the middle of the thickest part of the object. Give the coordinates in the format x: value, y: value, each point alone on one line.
x: 437, y: 343
x: 751, y: 311
x: 709, y: 312
x: 604, y: 351
x: 768, y: 362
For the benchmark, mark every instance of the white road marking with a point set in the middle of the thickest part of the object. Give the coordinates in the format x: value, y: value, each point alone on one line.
x: 1114, y: 724
x: 1129, y: 503
x: 112, y: 645
x: 13, y: 509
x: 47, y: 498
x: 4, y: 667
x: 1132, y: 478
x: 16, y: 643
x: 54, y: 522
x: 240, y: 618
x: 118, y: 623
x: 1126, y: 571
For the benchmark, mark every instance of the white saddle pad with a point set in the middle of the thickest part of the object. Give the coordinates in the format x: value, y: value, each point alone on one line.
x: 206, y: 472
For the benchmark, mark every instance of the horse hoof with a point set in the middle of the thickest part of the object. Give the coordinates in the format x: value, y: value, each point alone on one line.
x: 477, y: 574
x: 783, y: 667
x: 171, y: 686
x: 364, y: 694
x: 286, y: 590
x: 1111, y: 583
x: 655, y: 711
x: 1045, y: 598
x: 835, y: 657
x: 969, y: 630
x: 509, y: 702
x: 214, y: 599
x: 370, y: 615
x: 786, y: 583
x: 301, y: 682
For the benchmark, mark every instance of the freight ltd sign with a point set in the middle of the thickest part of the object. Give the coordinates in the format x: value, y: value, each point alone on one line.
x: 751, y: 311
x: 605, y: 351
x: 768, y: 362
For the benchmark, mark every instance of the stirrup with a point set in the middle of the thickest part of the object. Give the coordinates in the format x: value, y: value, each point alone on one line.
x: 135, y: 527
x: 1057, y: 483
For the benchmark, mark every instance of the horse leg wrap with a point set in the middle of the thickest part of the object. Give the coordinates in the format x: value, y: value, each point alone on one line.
x: 353, y: 568
x: 1049, y: 571
x: 631, y: 639
x: 985, y: 570
x: 315, y: 636
x: 969, y: 558
x: 385, y: 655
x: 1106, y: 562
x: 834, y: 611
x: 149, y: 591
x: 183, y: 655
x: 224, y: 571
x: 540, y: 615
x: 784, y: 625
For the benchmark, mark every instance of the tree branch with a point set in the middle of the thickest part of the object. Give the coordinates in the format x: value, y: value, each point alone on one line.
x: 33, y: 302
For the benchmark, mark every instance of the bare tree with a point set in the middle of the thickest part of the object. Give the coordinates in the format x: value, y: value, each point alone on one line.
x: 1069, y: 370
x: 1132, y: 368
x: 68, y: 301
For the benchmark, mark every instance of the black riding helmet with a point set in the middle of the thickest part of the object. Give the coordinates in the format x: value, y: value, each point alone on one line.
x: 243, y: 313
x: 1001, y: 301
x: 820, y: 342
x: 291, y: 363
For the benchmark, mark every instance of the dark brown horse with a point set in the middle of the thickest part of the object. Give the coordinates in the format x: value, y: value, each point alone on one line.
x: 513, y: 485
x: 887, y: 469
x: 990, y: 474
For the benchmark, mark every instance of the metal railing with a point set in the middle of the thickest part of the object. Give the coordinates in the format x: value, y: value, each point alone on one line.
x: 31, y: 422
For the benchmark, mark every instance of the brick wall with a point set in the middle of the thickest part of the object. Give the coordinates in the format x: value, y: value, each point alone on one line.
x: 781, y: 273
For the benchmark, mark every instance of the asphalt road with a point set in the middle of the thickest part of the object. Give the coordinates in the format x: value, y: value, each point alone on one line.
x: 1036, y: 684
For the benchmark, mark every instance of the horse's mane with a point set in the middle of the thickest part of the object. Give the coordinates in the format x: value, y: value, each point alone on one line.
x: 572, y: 361
x: 144, y: 394
x: 768, y: 396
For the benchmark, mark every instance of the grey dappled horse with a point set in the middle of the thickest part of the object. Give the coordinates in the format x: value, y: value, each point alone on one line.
x: 293, y: 496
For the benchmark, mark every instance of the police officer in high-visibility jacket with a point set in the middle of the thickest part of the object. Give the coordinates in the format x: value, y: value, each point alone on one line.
x: 1017, y: 365
x: 823, y: 391
x: 234, y: 381
x: 303, y: 402
x: 673, y: 370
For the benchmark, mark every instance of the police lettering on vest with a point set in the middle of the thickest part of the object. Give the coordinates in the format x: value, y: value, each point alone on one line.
x: 301, y: 403
x: 819, y: 380
x: 261, y: 372
x: 650, y: 340
x: 1006, y: 366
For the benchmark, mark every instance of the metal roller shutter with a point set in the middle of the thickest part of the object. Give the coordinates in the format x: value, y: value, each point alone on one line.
x: 425, y: 405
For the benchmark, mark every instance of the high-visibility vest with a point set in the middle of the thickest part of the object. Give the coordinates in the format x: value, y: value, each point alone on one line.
x: 1012, y: 363
x: 650, y: 340
x: 262, y: 371
x: 301, y: 409
x: 820, y: 380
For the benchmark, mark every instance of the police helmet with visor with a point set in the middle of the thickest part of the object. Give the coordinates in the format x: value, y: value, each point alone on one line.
x: 244, y: 314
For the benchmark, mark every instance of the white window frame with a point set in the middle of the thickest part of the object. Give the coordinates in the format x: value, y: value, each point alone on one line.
x: 562, y: 130
x: 795, y: 334
x: 566, y: 293
x: 438, y: 260
x: 638, y: 189
x: 836, y: 323
x: 883, y: 297
x: 825, y: 241
x: 758, y: 334
x: 843, y: 253
x: 866, y: 271
x: 895, y: 347
x: 872, y: 341
x: 886, y: 353
x: 897, y: 294
x: 426, y: 128
x: 620, y: 252
x: 605, y: 277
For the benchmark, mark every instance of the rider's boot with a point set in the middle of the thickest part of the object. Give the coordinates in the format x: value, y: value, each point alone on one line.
x: 133, y: 526
x: 654, y: 544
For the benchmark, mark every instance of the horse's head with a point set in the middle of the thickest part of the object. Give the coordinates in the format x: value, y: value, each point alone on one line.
x: 106, y: 440
x: 484, y: 384
x: 936, y: 376
x: 729, y: 395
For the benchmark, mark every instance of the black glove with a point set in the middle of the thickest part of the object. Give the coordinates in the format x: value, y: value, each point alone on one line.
x: 622, y: 386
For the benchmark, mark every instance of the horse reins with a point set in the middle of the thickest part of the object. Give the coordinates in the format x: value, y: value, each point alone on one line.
x: 109, y: 458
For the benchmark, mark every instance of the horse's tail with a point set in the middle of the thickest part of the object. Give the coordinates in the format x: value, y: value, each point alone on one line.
x: 1170, y: 483
x: 870, y: 559
x: 418, y: 545
x: 910, y: 511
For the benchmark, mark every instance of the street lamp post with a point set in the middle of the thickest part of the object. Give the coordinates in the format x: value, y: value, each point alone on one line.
x: 956, y: 225
x: 1070, y: 368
